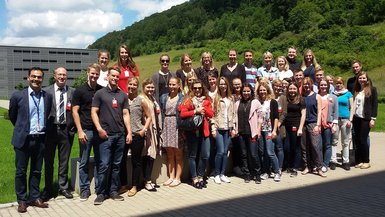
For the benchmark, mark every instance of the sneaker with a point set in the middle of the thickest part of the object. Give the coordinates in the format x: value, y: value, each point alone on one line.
x: 332, y: 165
x: 277, y: 177
x: 271, y: 175
x: 258, y: 179
x: 217, y: 179
x: 324, y: 169
x: 247, y: 178
x: 99, y: 199
x: 225, y: 179
x: 264, y: 176
x: 84, y: 195
x: 115, y: 196
x: 346, y: 166
x: 293, y: 173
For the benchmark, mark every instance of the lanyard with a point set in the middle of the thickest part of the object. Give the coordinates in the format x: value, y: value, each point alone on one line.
x: 37, y: 104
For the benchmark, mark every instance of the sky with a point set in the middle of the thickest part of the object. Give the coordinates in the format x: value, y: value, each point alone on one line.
x: 70, y: 23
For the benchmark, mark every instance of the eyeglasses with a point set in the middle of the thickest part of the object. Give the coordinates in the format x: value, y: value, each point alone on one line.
x: 197, y: 88
x: 165, y: 61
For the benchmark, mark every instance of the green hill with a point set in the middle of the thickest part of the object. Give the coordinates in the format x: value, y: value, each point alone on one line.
x: 338, y: 31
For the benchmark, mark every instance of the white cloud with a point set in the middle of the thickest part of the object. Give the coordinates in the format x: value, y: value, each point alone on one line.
x: 148, y: 7
x: 62, y: 23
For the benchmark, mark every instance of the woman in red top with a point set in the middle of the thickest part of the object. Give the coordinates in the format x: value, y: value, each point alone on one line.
x: 127, y: 67
x: 197, y: 103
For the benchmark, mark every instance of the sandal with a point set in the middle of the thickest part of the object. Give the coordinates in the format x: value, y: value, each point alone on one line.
x: 168, y: 182
x: 150, y: 187
x: 175, y: 183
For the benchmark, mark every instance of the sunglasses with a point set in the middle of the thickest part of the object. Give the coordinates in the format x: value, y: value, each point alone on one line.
x: 165, y: 61
x: 197, y: 88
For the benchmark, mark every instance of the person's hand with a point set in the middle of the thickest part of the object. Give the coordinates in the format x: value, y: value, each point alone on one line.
x: 273, y: 134
x: 129, y: 138
x: 299, y: 132
x: 214, y: 133
x: 316, y: 130
x: 334, y: 128
x: 82, y: 137
x: 142, y: 133
x: 200, y: 111
x: 102, y: 133
x: 232, y: 133
x: 371, y: 123
x: 348, y: 124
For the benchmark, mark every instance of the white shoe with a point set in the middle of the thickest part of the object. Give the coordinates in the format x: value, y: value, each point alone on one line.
x: 324, y: 169
x: 264, y: 176
x: 217, y: 179
x: 277, y: 177
x: 272, y: 175
x: 225, y: 179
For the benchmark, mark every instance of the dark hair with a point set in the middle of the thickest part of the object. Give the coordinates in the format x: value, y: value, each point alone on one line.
x: 297, y: 98
x: 367, y: 88
x: 131, y: 63
x: 251, y: 88
x: 327, y: 82
x: 35, y: 69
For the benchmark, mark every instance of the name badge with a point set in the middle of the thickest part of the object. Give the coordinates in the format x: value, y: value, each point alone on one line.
x: 68, y: 107
x: 280, y: 109
x: 294, y: 129
x: 114, y: 103
x: 269, y: 136
x: 126, y: 74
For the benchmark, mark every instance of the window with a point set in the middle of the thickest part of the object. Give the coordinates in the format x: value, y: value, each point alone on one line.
x: 26, y: 60
x: 17, y: 51
x: 53, y: 61
x: 85, y: 54
x: 69, y: 53
x: 52, y: 52
x: 35, y: 51
x: 26, y: 51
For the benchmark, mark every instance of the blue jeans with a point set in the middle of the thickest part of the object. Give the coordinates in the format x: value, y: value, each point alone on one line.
x: 279, y: 150
x: 197, y: 143
x: 111, y: 153
x: 249, y: 150
x: 269, y: 153
x: 326, y: 146
x: 85, y: 151
x: 222, y: 142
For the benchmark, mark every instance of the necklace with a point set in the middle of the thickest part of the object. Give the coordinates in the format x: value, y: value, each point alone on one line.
x: 165, y: 79
x: 245, y: 105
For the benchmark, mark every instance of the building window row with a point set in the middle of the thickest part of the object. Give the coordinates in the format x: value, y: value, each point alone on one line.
x: 26, y: 51
x: 68, y: 53
x: 73, y: 61
x: 38, y: 61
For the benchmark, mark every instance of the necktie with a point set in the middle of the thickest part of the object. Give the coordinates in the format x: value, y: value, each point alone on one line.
x: 61, y: 106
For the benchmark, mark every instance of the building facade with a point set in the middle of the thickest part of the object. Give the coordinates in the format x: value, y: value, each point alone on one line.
x: 15, y: 61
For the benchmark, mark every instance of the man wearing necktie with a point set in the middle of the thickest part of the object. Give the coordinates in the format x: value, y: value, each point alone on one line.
x: 28, y: 112
x: 61, y: 136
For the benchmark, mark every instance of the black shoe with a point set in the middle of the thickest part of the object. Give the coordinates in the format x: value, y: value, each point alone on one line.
x: 293, y: 173
x: 258, y: 179
x: 66, y: 193
x: 197, y: 185
x: 99, y: 199
x: 115, y: 196
x: 332, y: 165
x: 203, y: 184
x: 247, y: 178
x: 346, y: 166
x: 84, y: 195
x: 46, y: 196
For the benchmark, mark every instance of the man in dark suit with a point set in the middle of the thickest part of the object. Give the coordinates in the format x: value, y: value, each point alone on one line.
x: 61, y: 135
x: 28, y: 112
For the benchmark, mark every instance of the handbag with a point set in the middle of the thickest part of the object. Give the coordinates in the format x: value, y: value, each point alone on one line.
x: 189, y: 124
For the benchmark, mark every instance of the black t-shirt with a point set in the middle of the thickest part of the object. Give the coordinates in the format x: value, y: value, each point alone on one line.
x: 202, y: 75
x: 293, y: 117
x: 110, y: 112
x: 350, y: 84
x: 82, y: 97
x: 238, y: 72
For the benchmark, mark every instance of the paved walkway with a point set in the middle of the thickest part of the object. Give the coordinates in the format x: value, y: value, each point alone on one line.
x: 4, y: 103
x: 343, y: 193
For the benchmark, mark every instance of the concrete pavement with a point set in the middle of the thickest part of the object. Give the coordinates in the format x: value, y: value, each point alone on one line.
x: 343, y: 193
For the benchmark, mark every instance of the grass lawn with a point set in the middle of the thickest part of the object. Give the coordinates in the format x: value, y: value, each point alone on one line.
x: 7, y: 161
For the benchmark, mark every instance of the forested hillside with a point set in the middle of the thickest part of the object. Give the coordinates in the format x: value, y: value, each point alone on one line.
x: 337, y: 30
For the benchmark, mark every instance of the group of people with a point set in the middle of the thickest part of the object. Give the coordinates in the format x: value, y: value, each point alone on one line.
x: 283, y: 116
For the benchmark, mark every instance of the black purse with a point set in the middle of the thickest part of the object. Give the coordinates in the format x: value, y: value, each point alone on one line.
x: 189, y: 124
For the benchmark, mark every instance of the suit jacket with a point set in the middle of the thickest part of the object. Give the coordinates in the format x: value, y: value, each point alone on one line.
x: 52, y: 117
x: 19, y: 115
